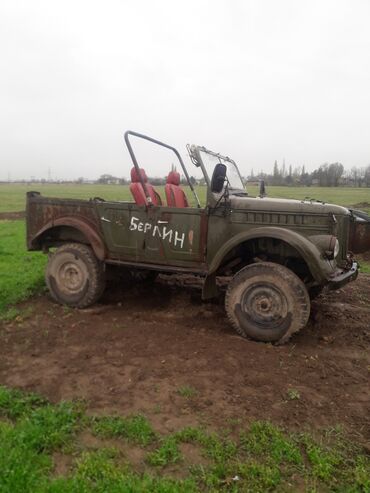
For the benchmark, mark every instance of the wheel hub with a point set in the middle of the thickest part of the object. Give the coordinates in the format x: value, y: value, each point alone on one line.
x: 70, y: 277
x: 265, y: 305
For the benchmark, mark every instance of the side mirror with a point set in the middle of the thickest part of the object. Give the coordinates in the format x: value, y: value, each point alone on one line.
x: 218, y: 178
x: 262, y: 189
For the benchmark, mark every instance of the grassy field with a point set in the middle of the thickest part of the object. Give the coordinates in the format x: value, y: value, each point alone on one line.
x: 12, y: 197
x: 41, y: 444
x: 38, y: 438
x: 22, y: 272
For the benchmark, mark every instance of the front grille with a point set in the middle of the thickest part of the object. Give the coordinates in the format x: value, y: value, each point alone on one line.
x: 343, y: 232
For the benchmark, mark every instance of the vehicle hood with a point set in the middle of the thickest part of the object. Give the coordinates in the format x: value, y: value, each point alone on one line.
x: 285, y: 205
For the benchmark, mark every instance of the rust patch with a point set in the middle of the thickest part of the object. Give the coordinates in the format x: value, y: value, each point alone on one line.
x: 44, y: 213
x: 359, y: 237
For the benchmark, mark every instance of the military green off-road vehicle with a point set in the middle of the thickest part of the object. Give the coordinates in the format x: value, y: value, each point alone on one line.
x: 276, y: 253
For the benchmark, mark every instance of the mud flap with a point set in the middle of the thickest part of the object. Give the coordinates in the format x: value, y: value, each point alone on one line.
x: 210, y: 289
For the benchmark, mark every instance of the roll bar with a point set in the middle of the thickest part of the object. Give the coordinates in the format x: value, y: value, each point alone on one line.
x: 158, y: 142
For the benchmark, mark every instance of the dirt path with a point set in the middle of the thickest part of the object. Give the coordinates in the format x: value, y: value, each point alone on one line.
x: 12, y: 215
x: 136, y: 350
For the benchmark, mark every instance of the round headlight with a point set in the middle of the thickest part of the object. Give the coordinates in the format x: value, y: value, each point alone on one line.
x: 328, y: 245
x: 336, y: 248
x: 333, y: 248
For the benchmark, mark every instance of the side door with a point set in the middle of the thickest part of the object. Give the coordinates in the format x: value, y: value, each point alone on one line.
x: 183, y: 235
x: 161, y: 235
x: 117, y: 221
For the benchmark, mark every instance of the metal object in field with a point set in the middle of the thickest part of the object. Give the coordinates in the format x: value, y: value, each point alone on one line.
x: 276, y: 251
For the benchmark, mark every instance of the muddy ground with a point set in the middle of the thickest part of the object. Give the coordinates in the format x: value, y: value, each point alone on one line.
x: 144, y: 346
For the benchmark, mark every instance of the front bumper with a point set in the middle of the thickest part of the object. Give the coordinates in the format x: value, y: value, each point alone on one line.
x: 342, y: 277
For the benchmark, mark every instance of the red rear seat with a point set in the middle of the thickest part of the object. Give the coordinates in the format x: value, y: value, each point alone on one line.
x: 137, y: 190
x: 175, y: 195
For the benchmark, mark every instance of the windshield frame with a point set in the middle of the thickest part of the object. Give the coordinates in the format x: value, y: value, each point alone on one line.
x: 196, y: 157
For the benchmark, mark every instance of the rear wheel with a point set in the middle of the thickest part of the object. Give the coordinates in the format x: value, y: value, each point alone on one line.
x: 267, y: 302
x: 74, y: 275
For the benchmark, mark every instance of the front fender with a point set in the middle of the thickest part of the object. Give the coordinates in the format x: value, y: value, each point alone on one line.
x: 319, y: 268
x: 84, y: 226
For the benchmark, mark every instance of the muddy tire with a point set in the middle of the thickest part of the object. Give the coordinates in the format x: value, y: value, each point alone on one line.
x: 74, y: 275
x: 267, y: 302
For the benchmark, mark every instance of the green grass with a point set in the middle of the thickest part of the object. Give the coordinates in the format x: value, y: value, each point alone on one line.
x: 167, y: 453
x: 365, y: 267
x: 345, y: 196
x: 187, y: 392
x: 293, y: 394
x: 101, y: 472
x: 22, y: 272
x: 265, y: 440
x: 264, y: 458
x: 13, y: 196
x: 15, y: 404
x: 136, y: 429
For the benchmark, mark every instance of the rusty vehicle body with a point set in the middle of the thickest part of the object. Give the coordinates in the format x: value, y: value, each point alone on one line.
x: 259, y: 241
x: 359, y: 236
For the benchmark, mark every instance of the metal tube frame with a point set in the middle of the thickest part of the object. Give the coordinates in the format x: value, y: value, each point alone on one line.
x: 158, y: 142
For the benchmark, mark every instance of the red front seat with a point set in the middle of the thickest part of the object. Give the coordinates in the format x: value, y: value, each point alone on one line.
x: 137, y: 190
x: 175, y: 195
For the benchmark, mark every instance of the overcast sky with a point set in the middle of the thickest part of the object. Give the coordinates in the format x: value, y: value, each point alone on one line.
x: 256, y: 80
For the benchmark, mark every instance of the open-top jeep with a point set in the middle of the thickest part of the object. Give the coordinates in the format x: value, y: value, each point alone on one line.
x: 278, y: 253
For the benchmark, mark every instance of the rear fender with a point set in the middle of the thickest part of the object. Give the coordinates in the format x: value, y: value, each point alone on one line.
x: 85, y: 227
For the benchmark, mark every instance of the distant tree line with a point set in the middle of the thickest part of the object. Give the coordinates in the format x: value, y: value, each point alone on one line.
x: 155, y: 180
x: 326, y: 175
x: 111, y: 180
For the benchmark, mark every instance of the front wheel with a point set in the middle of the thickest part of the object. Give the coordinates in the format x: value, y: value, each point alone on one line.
x: 74, y: 275
x: 267, y: 302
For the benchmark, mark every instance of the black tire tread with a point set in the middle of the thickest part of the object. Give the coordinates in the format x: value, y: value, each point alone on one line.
x: 303, y: 300
x: 96, y: 270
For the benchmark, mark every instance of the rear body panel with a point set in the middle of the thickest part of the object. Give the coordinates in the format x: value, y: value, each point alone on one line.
x: 44, y: 213
x: 162, y: 236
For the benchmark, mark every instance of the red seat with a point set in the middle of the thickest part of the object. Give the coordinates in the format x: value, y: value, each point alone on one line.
x: 175, y: 195
x: 137, y: 190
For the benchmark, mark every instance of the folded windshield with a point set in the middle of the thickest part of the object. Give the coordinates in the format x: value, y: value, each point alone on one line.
x: 210, y: 159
